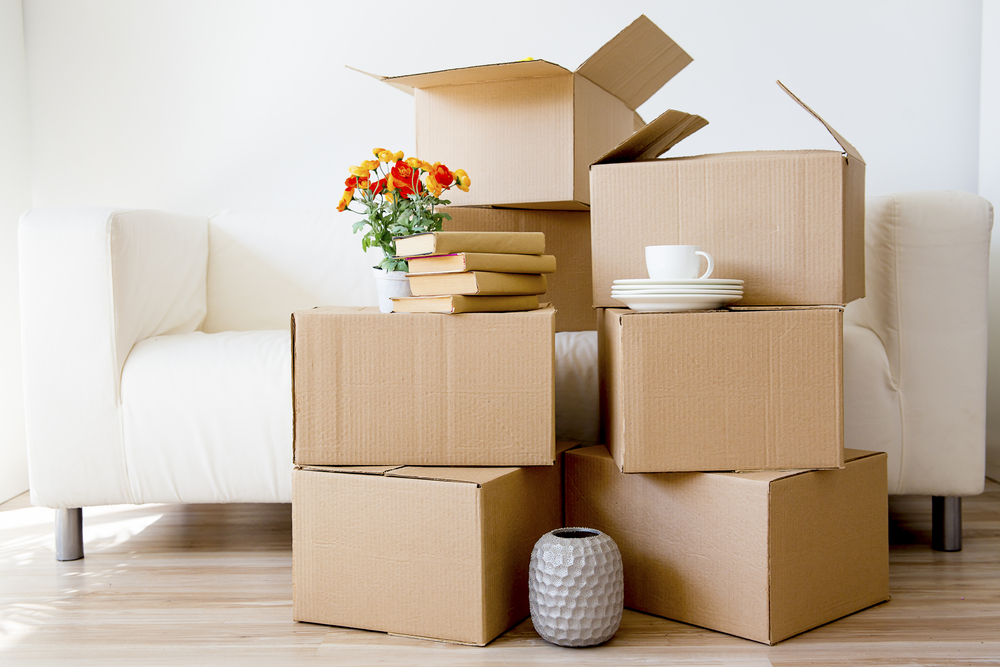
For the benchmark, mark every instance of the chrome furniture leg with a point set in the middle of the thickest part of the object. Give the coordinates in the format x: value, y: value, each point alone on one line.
x: 946, y: 523
x: 69, y: 533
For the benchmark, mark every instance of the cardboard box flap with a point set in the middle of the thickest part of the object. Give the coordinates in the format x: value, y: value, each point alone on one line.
x: 398, y: 86
x: 352, y: 470
x: 524, y: 69
x: 656, y: 138
x: 477, y: 476
x: 635, y: 63
x: 844, y: 143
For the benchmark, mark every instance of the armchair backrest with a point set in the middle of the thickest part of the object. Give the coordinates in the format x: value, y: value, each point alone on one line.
x: 264, y: 265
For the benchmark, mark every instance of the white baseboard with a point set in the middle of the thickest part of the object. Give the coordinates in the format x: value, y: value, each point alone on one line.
x: 993, y: 471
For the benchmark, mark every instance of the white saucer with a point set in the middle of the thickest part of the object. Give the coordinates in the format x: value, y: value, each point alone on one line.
x: 679, y: 289
x: 647, y: 282
x: 668, y: 303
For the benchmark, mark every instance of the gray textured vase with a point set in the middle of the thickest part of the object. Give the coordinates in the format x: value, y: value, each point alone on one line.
x: 575, y: 587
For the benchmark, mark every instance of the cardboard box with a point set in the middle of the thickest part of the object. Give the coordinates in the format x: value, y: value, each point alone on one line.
x: 746, y: 389
x: 788, y: 223
x: 371, y: 388
x: 567, y: 236
x: 762, y: 555
x: 439, y: 553
x: 526, y: 132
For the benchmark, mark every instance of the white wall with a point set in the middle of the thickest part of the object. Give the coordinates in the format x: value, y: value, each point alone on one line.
x: 199, y: 105
x: 15, y: 197
x: 989, y: 187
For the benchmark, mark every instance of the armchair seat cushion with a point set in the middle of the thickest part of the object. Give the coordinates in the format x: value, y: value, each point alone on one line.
x: 207, y: 418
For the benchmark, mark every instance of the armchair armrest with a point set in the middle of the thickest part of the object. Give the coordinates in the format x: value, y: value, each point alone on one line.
x: 927, y: 262
x: 93, y: 282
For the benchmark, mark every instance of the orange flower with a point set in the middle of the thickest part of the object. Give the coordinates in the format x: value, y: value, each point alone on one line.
x: 463, y: 180
x: 358, y: 171
x: 345, y: 199
x: 376, y: 151
x: 439, y: 179
x: 355, y: 182
x: 403, y: 179
x: 370, y: 165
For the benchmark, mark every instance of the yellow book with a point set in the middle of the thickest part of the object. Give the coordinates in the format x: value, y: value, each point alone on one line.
x: 477, y: 283
x: 453, y: 303
x: 482, y: 261
x: 444, y: 243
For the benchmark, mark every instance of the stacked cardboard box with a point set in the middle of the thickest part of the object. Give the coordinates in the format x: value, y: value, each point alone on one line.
x: 802, y: 539
x: 384, y: 541
x: 396, y: 527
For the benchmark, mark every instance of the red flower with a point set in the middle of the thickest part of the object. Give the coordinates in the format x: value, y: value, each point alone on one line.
x: 404, y: 179
x: 442, y: 175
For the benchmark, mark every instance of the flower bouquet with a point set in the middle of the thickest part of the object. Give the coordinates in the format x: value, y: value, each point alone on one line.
x: 397, y: 197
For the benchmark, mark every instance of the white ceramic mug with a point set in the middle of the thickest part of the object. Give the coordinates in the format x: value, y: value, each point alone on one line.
x: 676, y: 262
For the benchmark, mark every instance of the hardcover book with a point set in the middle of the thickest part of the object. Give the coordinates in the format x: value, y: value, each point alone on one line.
x: 481, y: 261
x: 443, y: 243
x: 454, y: 303
x: 481, y: 283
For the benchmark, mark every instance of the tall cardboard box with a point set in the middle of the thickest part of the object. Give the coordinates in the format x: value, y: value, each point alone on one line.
x: 473, y: 389
x: 762, y: 555
x: 741, y: 389
x: 527, y: 132
x: 790, y: 224
x: 439, y: 553
x: 567, y: 237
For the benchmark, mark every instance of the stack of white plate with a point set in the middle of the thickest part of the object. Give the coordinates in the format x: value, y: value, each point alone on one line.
x: 664, y: 296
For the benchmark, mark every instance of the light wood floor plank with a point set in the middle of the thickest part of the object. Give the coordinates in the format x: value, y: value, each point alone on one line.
x: 211, y: 584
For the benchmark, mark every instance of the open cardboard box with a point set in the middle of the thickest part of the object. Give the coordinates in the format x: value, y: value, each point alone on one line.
x: 741, y: 389
x: 788, y: 223
x: 437, y: 553
x: 473, y: 389
x: 759, y: 555
x: 527, y: 132
x: 567, y: 237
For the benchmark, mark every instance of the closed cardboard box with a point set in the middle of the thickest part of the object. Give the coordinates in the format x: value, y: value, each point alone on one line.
x: 761, y: 555
x: 439, y: 553
x: 371, y: 388
x: 790, y: 224
x: 527, y: 132
x: 567, y: 237
x: 741, y: 389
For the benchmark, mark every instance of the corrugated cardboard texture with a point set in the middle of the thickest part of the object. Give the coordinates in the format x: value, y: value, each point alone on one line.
x: 567, y: 236
x: 423, y: 389
x: 363, y: 555
x: 495, y: 120
x: 790, y: 224
x: 828, y: 537
x: 723, y: 390
x: 417, y: 554
x: 495, y: 130
x: 601, y: 120
x: 759, y: 555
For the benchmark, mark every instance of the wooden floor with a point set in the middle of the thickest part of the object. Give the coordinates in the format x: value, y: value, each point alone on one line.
x: 166, y: 584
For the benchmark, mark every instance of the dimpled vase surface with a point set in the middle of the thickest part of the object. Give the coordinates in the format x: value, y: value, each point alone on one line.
x: 575, y: 587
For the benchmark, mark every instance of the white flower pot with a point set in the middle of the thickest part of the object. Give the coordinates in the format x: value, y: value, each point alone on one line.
x: 390, y: 284
x: 575, y: 586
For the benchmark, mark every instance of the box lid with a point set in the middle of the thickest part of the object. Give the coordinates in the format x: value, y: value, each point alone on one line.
x: 632, y: 66
x: 671, y: 127
x: 477, y: 476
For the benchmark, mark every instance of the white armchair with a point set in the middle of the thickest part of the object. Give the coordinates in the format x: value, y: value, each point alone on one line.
x: 157, y: 366
x: 915, y: 349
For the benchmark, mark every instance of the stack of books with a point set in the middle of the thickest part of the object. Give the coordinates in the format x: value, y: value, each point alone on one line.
x: 468, y: 272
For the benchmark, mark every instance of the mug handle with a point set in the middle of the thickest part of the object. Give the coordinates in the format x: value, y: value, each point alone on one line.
x: 711, y: 264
